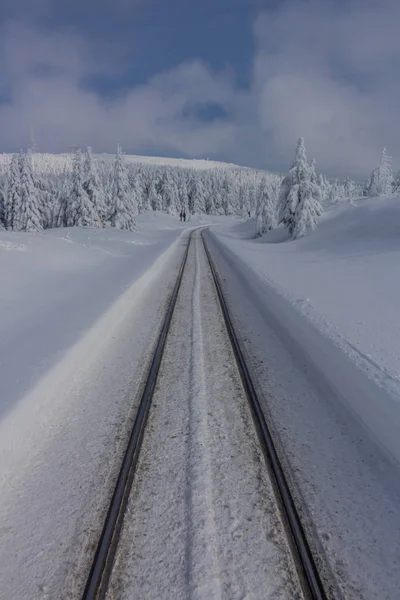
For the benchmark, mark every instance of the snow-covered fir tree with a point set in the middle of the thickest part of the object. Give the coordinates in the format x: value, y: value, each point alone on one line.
x: 183, y: 202
x: 350, y: 190
x: 30, y: 216
x: 396, y: 183
x: 303, y: 200
x: 198, y: 195
x: 95, y: 210
x: 243, y: 203
x: 308, y: 209
x: 324, y: 187
x: 380, y: 181
x: 300, y: 197
x: 169, y: 193
x: 13, y: 199
x: 155, y: 200
x: 266, y: 208
x: 122, y: 209
x: 77, y: 196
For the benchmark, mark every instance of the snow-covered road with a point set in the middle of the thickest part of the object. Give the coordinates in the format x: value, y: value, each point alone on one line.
x: 202, y: 521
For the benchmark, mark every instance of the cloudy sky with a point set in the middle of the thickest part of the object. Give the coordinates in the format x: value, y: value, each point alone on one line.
x: 234, y: 80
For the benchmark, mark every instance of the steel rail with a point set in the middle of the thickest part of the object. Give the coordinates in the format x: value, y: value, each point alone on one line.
x: 307, y: 569
x: 99, y: 575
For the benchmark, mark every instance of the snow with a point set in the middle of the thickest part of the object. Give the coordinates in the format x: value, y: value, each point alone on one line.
x: 202, y: 521
x: 343, y: 279
x: 80, y: 311
x: 320, y: 323
x: 55, y: 285
x: 52, y: 160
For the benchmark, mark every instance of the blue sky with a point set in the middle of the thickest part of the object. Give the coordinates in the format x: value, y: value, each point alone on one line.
x: 235, y: 80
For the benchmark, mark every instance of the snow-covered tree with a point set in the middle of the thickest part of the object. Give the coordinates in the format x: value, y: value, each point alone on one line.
x: 13, y: 201
x: 155, y: 199
x: 169, y: 193
x: 3, y: 202
x: 350, y: 190
x: 308, y: 209
x: 30, y: 217
x: 396, y: 183
x: 243, y: 200
x: 122, y: 209
x: 198, y: 195
x: 94, y: 210
x: 380, y: 181
x: 78, y: 197
x: 300, y: 196
x: 266, y: 208
x: 183, y: 202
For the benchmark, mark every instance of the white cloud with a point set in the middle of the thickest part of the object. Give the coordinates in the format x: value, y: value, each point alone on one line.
x: 330, y: 74
x: 326, y: 71
x: 158, y: 115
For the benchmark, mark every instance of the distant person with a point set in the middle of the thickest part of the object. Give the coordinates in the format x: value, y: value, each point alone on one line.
x: 249, y: 214
x: 184, y: 215
x: 180, y: 214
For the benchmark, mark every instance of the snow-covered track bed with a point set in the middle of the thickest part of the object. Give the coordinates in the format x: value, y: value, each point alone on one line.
x: 97, y: 581
x: 201, y: 509
x: 306, y: 567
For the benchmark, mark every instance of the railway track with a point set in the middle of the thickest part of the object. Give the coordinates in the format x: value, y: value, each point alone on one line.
x: 102, y: 565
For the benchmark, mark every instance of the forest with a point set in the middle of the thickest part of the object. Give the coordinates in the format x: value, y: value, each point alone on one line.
x: 40, y: 191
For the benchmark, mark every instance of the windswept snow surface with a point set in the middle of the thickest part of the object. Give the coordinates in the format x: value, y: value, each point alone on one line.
x: 321, y: 322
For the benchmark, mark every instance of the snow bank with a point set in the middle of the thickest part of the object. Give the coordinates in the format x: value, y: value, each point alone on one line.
x: 335, y: 294
x: 80, y: 310
x: 57, y: 283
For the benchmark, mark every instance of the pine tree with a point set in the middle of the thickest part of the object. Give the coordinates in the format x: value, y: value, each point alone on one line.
x: 137, y: 185
x: 350, y: 189
x: 380, y: 181
x: 308, y: 209
x: 154, y: 197
x: 243, y: 200
x: 198, y: 204
x: 266, y: 208
x: 300, y: 196
x: 30, y: 218
x: 13, y: 203
x: 94, y: 210
x: 169, y: 193
x: 183, y: 194
x: 122, y: 210
x: 288, y: 196
x: 78, y: 195
x: 396, y: 183
x: 3, y: 201
x: 385, y: 174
